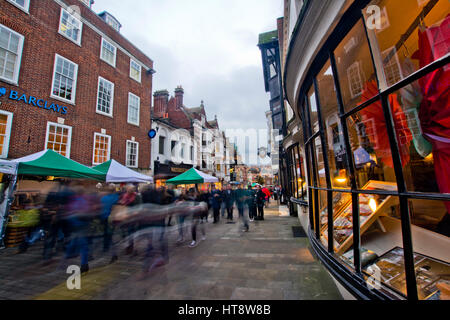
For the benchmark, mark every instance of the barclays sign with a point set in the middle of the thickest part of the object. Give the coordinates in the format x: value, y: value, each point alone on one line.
x: 33, y: 101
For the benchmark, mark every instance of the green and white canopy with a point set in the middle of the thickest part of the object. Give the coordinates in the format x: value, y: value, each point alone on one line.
x: 51, y: 163
x: 192, y: 176
x: 115, y: 172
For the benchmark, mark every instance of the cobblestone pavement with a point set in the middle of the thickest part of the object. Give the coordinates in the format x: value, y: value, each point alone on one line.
x: 266, y: 263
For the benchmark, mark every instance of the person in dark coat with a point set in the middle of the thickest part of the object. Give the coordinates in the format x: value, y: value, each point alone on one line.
x: 229, y: 198
x: 260, y: 199
x: 251, y: 202
x: 241, y: 197
x: 215, y: 200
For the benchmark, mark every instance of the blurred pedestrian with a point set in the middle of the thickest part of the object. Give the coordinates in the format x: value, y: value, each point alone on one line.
x: 241, y: 197
x: 260, y: 200
x: 229, y: 199
x: 251, y: 203
x: 108, y: 200
x: 216, y: 200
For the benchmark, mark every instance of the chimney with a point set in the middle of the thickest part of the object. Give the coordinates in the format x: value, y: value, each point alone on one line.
x: 179, y: 97
x: 160, y: 100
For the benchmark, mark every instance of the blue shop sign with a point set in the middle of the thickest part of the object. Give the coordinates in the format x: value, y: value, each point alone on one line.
x: 33, y: 101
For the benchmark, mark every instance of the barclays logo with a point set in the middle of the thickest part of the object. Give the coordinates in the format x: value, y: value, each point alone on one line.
x: 2, y: 92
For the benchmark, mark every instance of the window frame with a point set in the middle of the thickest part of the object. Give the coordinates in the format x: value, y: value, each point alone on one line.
x: 69, y: 138
x: 74, y: 85
x: 7, y: 140
x: 102, y: 51
x: 111, y: 114
x: 163, y: 145
x: 78, y: 42
x: 140, y: 70
x: 130, y: 95
x: 25, y: 8
x: 96, y: 134
x: 15, y: 80
x: 137, y: 154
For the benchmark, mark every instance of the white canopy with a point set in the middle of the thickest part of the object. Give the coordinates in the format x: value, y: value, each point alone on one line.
x: 206, y: 177
x: 8, y: 167
x: 115, y: 172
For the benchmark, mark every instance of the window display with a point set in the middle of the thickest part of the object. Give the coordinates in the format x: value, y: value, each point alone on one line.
x: 433, y: 276
x: 371, y: 207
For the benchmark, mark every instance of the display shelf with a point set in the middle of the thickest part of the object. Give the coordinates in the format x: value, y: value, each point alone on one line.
x: 371, y: 207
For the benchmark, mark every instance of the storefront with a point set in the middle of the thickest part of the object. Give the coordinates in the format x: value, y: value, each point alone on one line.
x: 374, y: 107
x: 164, y: 172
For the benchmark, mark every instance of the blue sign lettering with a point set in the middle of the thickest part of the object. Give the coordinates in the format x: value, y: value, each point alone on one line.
x: 33, y: 101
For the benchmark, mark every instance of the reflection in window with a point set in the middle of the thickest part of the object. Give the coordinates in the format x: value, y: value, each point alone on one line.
x: 417, y: 35
x: 370, y: 145
x: 355, y: 68
x: 336, y: 146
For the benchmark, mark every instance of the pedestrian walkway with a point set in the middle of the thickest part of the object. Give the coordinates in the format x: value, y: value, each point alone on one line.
x: 265, y: 263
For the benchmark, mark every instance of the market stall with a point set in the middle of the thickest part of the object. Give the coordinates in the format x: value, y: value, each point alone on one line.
x: 48, y: 164
x: 192, y: 176
x: 115, y: 172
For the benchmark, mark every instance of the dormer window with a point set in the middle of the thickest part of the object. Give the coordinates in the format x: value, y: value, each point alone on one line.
x: 109, y: 19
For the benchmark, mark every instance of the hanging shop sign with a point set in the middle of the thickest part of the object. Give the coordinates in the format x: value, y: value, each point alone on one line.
x: 33, y: 101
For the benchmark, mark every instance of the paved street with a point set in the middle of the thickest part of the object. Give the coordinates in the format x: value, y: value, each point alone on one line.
x: 265, y: 263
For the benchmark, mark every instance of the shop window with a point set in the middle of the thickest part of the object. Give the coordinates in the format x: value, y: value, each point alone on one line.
x: 11, y: 44
x: 370, y: 145
x: 417, y: 35
x: 132, y: 154
x: 134, y: 103
x: 313, y: 110
x: 58, y: 138
x: 21, y: 4
x: 105, y: 97
x: 430, y: 236
x: 392, y: 68
x: 70, y: 27
x: 102, y: 148
x: 419, y: 110
x: 342, y: 221
x: 357, y: 77
x: 108, y: 53
x: 334, y: 139
x: 135, y: 70
x: 320, y: 164
x: 64, y: 79
x: 162, y: 141
x: 5, y: 132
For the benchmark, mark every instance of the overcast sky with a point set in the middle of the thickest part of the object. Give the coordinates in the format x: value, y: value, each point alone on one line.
x: 208, y: 47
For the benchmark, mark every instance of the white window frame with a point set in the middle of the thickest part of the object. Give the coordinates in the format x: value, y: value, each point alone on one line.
x: 25, y: 8
x: 18, y: 63
x: 96, y: 134
x: 137, y: 154
x: 164, y: 145
x: 74, y: 85
x: 130, y: 95
x: 115, y: 52
x: 78, y: 42
x: 5, y: 150
x: 69, y: 138
x: 112, y: 98
x: 140, y: 70
x: 394, y: 63
x: 356, y: 65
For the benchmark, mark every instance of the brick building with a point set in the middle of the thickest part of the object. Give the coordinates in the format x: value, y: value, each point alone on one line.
x: 69, y: 81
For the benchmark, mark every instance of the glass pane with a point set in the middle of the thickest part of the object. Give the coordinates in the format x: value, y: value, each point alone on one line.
x: 320, y: 165
x: 334, y: 138
x: 355, y: 68
x: 342, y: 203
x: 409, y: 35
x: 313, y: 110
x: 370, y: 147
x: 421, y: 117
